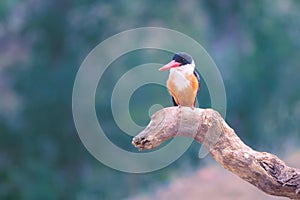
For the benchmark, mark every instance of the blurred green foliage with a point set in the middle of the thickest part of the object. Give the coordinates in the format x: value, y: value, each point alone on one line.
x: 255, y: 44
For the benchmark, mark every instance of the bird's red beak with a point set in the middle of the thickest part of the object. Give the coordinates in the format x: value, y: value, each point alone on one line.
x: 170, y: 65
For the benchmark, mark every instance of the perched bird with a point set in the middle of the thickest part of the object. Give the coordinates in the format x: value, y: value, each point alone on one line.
x: 183, y: 81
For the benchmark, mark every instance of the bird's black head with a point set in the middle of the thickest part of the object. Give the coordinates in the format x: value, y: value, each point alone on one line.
x: 183, y: 58
x: 179, y: 60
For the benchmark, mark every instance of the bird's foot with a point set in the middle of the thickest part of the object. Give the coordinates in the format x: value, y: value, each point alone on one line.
x: 179, y: 107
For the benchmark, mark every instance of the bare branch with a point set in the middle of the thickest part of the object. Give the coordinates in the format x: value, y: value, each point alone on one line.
x: 264, y: 170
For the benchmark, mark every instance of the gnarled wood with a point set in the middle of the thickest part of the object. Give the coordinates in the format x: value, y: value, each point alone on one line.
x: 264, y: 170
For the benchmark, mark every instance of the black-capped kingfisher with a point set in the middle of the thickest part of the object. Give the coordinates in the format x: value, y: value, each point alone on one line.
x: 184, y: 80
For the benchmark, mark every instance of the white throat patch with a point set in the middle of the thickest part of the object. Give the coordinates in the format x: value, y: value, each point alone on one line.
x: 178, y: 75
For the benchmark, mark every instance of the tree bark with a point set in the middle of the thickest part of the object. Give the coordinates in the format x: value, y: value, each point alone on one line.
x: 263, y: 170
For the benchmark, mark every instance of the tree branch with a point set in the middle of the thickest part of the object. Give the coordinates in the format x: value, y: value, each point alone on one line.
x: 263, y: 170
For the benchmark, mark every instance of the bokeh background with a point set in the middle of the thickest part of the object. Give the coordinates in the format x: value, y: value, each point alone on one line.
x: 255, y: 45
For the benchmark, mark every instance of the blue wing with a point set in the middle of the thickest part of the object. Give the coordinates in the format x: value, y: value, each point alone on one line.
x: 196, y: 73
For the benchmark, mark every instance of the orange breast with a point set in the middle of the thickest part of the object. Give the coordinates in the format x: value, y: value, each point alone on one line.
x: 183, y: 89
